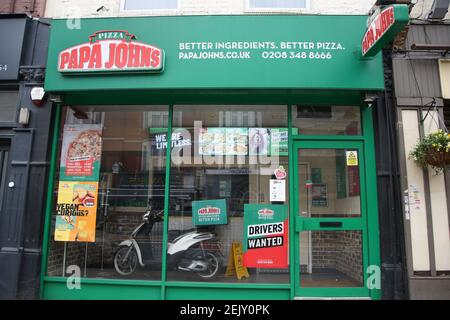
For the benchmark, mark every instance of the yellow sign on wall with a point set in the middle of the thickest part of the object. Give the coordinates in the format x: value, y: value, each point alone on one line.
x: 76, y: 211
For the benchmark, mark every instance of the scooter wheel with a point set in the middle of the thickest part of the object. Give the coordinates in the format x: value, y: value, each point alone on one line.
x: 125, y: 260
x: 213, y: 266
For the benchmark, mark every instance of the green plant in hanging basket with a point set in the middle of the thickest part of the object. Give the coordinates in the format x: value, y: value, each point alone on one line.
x: 433, y: 150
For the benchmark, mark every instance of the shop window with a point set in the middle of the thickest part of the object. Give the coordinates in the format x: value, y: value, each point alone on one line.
x: 329, y: 186
x: 277, y: 4
x: 8, y: 106
x: 327, y: 120
x: 225, y: 162
x: 109, y: 168
x: 145, y: 5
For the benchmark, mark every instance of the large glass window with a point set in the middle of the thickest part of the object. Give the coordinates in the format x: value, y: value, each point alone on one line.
x: 229, y: 166
x: 109, y: 168
x: 329, y: 183
x: 327, y: 120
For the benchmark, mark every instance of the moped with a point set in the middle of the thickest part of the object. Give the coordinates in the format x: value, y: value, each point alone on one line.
x: 191, y: 250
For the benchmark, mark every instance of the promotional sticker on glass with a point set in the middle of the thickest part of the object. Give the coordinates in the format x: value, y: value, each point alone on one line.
x: 352, y: 158
x: 209, y: 212
x: 265, y: 236
x: 81, y: 152
x: 277, y: 190
x: 212, y: 141
x: 319, y: 195
x: 259, y: 141
x: 76, y: 211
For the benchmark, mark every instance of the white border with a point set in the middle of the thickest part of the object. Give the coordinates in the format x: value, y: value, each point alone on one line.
x: 267, y: 10
x: 122, y: 9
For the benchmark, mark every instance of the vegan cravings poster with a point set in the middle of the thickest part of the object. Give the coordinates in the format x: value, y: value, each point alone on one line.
x: 265, y: 236
x: 76, y: 207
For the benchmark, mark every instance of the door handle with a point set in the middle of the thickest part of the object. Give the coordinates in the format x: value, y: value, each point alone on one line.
x: 331, y: 224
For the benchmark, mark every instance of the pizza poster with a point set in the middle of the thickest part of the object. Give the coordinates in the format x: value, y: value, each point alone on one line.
x: 265, y: 236
x: 76, y: 211
x: 81, y: 152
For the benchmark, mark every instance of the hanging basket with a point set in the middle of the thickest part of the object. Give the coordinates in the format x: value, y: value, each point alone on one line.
x: 437, y: 159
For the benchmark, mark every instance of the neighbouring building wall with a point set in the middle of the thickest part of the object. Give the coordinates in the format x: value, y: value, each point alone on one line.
x: 417, y: 215
x: 111, y: 8
x: 421, y: 106
x: 22, y: 206
x: 422, y: 8
x: 32, y: 7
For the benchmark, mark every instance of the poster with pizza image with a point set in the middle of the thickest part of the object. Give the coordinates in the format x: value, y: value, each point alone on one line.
x: 81, y: 152
x: 265, y: 236
x: 76, y: 211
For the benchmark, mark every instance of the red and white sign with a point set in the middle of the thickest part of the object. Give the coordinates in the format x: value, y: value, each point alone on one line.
x: 111, y: 50
x: 378, y: 27
x: 209, y: 210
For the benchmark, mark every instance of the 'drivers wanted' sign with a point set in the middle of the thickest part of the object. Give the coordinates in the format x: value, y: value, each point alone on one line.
x: 111, y: 51
x: 265, y: 236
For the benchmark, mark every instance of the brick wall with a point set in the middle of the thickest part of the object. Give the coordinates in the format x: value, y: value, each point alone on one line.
x: 338, y: 250
x: 111, y: 8
x: 34, y: 8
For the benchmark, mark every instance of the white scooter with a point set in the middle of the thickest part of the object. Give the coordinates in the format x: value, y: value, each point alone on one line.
x: 188, y: 250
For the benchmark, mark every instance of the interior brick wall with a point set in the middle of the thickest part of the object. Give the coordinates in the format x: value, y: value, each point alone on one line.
x: 341, y: 251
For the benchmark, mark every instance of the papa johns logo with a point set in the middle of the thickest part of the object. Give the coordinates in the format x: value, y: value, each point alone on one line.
x: 209, y: 211
x: 265, y: 213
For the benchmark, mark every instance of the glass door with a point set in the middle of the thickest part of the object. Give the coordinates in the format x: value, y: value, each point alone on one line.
x: 331, y: 230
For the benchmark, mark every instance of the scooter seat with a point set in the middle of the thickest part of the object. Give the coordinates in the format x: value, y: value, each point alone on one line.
x: 173, y: 234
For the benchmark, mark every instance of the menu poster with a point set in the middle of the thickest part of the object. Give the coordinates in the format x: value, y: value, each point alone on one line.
x: 236, y: 141
x: 76, y: 211
x: 81, y: 152
x: 265, y: 236
x: 223, y: 141
x: 279, y: 139
x: 259, y: 141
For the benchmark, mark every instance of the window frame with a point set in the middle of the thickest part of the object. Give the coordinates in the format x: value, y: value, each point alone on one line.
x: 266, y: 10
x: 10, y: 123
x: 122, y: 9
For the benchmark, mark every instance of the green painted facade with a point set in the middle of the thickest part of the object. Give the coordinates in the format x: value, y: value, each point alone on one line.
x: 341, y: 80
x: 282, y: 37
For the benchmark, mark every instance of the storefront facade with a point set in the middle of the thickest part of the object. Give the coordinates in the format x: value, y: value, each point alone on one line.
x: 270, y: 159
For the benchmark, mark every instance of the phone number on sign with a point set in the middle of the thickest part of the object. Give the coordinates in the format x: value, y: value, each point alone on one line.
x: 296, y: 55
